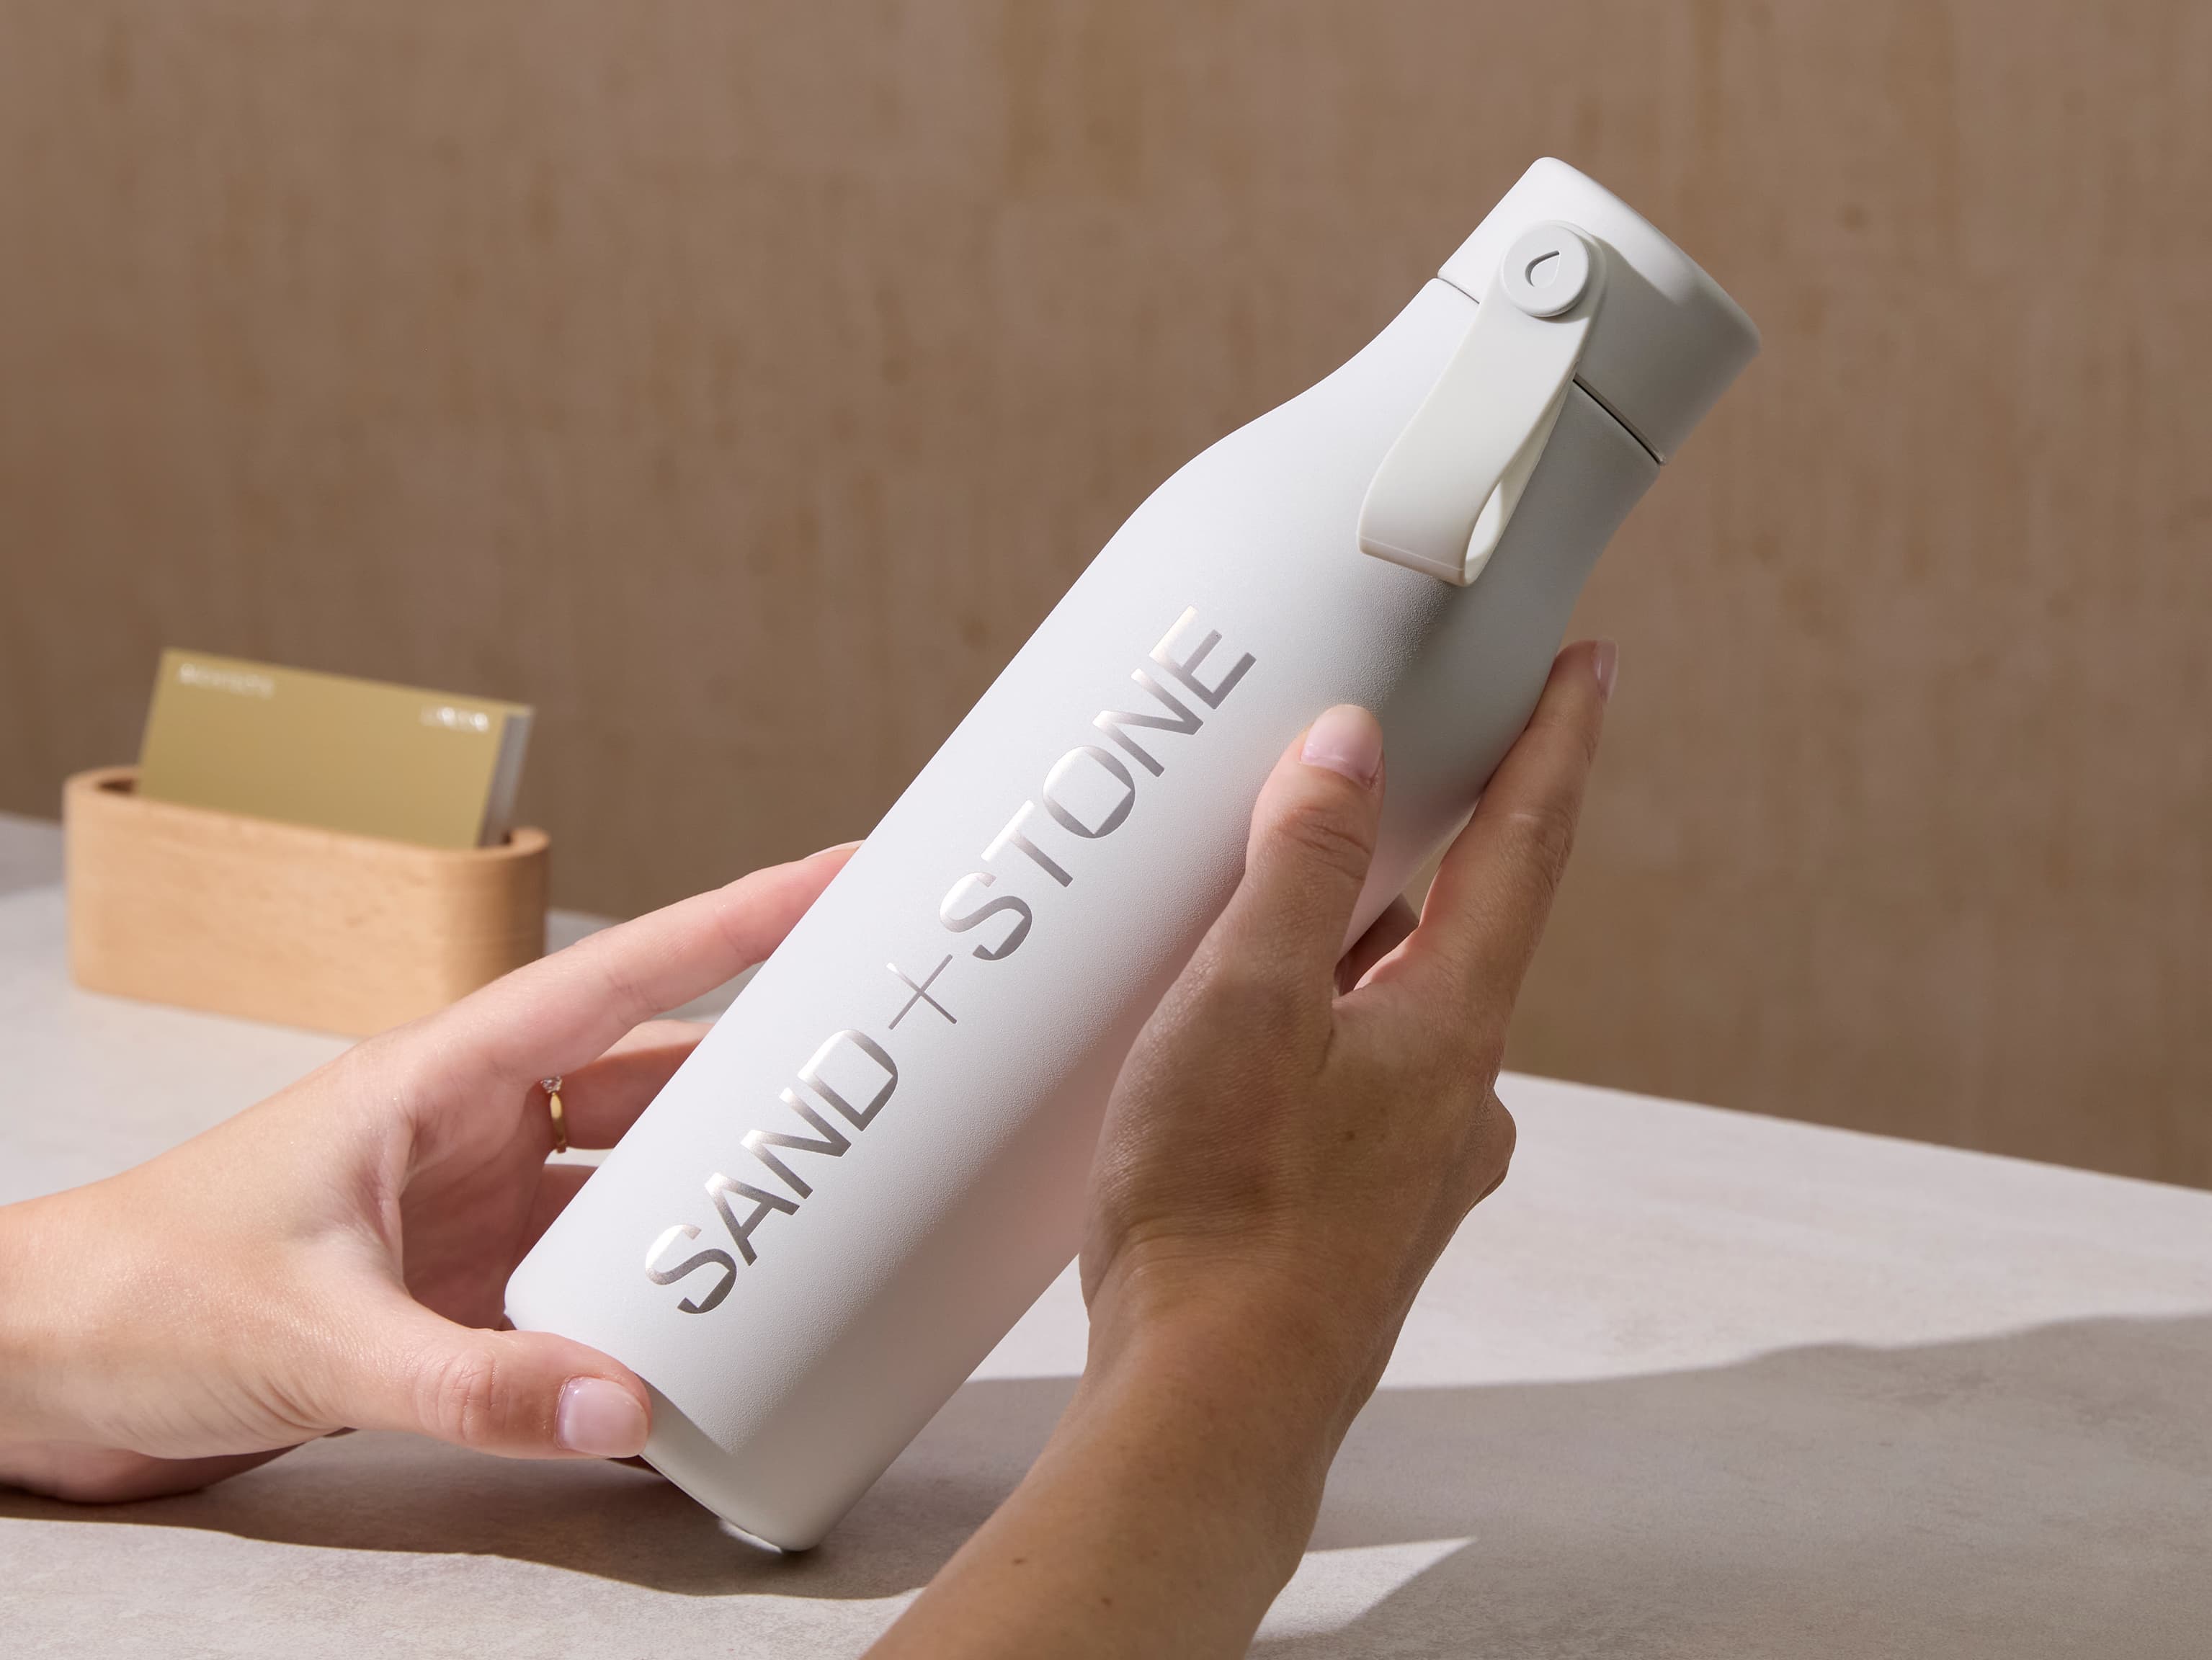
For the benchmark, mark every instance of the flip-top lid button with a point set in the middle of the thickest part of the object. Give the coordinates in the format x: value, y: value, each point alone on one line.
x: 1546, y: 270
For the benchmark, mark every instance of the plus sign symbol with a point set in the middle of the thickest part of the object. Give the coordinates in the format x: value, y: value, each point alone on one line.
x: 921, y: 992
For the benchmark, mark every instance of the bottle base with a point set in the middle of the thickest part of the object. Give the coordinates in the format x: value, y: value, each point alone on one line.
x: 688, y: 1456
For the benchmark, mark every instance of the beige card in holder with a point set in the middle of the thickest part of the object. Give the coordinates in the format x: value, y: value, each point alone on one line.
x: 328, y: 749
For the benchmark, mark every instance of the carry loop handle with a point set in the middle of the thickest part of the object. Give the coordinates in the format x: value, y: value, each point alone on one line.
x: 1445, y: 493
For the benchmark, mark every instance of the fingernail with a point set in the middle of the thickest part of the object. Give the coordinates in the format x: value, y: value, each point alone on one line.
x: 601, y: 1418
x: 1606, y: 659
x: 1346, y: 740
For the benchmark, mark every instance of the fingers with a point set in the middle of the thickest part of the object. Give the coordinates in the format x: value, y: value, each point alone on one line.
x: 1384, y: 935
x: 601, y: 1102
x: 556, y: 1185
x: 520, y: 1394
x: 564, y: 1010
x: 1487, y: 908
x: 1313, y: 837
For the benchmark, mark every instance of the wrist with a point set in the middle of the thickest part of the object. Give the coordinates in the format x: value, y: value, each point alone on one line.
x: 1170, y: 1505
x: 31, y: 1393
x: 1266, y: 1332
x: 1235, y: 1386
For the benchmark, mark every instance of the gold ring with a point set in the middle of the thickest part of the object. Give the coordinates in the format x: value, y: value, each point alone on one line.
x: 552, y: 1088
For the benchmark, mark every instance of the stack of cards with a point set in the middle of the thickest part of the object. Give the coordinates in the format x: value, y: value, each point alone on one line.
x: 350, y: 755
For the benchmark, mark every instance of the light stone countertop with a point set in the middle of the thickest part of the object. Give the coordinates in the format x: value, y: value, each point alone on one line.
x: 1694, y: 1383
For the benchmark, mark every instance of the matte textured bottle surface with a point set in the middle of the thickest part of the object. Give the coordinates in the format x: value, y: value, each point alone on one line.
x: 876, y: 1160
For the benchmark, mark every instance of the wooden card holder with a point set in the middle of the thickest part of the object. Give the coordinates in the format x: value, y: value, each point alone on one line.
x: 285, y: 922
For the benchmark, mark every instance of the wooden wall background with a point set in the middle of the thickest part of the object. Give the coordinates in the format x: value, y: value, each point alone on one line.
x: 740, y: 383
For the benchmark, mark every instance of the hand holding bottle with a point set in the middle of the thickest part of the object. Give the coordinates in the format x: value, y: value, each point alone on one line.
x: 1282, y: 1162
x: 334, y: 1256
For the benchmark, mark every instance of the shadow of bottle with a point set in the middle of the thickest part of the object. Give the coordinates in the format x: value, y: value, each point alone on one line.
x: 2043, y: 1492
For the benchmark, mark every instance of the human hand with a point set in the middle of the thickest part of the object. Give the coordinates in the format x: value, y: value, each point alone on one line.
x: 1295, y: 1138
x: 1291, y: 1144
x: 335, y: 1257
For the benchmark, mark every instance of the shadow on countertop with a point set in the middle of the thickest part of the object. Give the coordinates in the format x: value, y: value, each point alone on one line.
x: 2041, y: 1493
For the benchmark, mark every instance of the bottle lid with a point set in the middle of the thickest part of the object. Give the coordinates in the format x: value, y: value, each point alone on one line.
x: 1668, y: 340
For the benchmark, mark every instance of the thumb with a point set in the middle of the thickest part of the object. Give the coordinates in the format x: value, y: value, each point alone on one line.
x: 520, y: 1394
x: 1313, y: 838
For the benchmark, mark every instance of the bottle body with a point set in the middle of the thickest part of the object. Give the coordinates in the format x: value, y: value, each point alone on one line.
x: 877, y: 1159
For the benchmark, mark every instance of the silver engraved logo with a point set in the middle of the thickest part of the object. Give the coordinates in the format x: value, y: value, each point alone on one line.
x: 1086, y: 795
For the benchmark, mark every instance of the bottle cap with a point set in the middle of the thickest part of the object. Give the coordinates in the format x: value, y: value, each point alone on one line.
x: 1667, y: 341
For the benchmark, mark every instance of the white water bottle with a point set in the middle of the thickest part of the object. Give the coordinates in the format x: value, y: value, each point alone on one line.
x: 876, y: 1160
